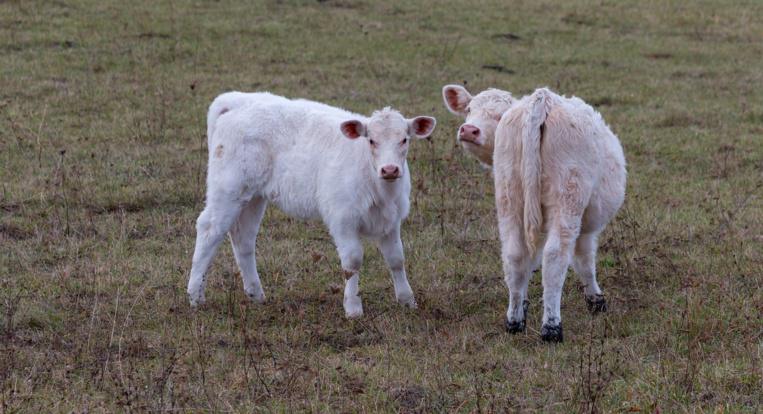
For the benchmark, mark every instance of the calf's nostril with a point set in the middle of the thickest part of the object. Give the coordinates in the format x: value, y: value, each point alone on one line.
x: 469, y: 131
x: 390, y: 171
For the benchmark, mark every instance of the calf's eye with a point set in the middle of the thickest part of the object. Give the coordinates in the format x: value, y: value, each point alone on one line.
x: 404, y: 141
x: 372, y: 142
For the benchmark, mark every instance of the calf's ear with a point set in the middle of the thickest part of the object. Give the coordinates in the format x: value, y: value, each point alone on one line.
x: 456, y: 99
x: 353, y: 129
x: 421, y: 126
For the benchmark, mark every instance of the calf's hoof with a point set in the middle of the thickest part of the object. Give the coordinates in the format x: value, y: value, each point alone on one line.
x: 596, y: 303
x: 196, y: 300
x: 255, y: 294
x: 256, y: 298
x: 514, y: 327
x: 551, y: 333
x: 407, y: 300
x: 353, y: 307
x: 353, y: 314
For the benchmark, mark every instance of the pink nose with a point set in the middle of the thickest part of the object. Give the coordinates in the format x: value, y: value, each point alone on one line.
x: 390, y: 172
x: 469, y: 133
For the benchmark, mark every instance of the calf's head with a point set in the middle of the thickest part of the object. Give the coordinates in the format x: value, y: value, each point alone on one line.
x: 482, y: 113
x: 388, y: 135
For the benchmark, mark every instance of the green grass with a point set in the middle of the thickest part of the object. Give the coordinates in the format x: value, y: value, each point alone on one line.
x: 102, y: 164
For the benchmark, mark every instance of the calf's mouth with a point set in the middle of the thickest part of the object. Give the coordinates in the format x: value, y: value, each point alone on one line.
x: 469, y: 141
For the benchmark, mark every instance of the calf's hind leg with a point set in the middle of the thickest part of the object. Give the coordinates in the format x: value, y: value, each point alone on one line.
x: 243, y: 237
x: 517, y: 264
x: 557, y: 254
x: 584, y: 265
x: 211, y: 226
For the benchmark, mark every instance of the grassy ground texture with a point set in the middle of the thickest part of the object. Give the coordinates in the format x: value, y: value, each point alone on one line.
x: 102, y: 164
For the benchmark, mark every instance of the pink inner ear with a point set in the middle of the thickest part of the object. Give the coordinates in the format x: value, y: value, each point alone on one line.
x: 452, y: 96
x: 350, y: 129
x: 422, y: 126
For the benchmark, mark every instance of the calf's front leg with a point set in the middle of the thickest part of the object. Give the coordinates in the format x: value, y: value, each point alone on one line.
x: 391, y: 248
x: 350, y: 250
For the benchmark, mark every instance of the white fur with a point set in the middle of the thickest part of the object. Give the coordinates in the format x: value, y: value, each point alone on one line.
x: 265, y: 149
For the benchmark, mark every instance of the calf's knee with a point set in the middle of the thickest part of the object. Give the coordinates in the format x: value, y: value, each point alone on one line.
x: 351, y: 262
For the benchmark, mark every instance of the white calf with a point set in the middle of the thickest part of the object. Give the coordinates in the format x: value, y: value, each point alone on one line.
x: 559, y: 179
x: 307, y: 158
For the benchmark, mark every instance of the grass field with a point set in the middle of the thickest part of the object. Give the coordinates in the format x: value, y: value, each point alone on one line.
x: 103, y: 159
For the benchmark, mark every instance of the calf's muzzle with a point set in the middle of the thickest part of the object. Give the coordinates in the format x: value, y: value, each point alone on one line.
x: 469, y: 133
x: 390, y: 172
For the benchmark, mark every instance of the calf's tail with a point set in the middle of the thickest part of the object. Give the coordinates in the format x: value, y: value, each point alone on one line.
x: 219, y: 106
x: 531, y: 166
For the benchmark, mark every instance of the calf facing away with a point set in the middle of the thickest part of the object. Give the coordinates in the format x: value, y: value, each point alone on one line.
x: 312, y: 161
x: 559, y: 179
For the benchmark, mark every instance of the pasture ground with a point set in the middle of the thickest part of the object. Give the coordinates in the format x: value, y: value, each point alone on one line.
x: 102, y: 164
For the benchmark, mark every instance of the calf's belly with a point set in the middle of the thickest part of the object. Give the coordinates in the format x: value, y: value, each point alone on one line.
x: 292, y: 186
x: 294, y: 201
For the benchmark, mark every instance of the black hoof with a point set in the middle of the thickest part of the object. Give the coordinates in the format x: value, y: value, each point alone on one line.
x: 514, y: 327
x: 518, y: 326
x: 551, y: 333
x: 596, y: 304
